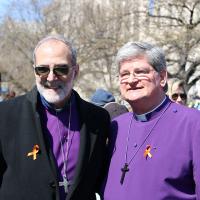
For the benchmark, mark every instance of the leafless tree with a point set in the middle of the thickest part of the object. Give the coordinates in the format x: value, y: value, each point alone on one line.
x: 179, y: 26
x: 98, y: 29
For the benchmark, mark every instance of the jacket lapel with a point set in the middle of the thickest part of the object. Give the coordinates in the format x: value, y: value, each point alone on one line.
x: 87, y: 138
x: 87, y: 141
x: 46, y: 151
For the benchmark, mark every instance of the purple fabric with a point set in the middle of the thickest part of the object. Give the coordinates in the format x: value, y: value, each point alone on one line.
x: 50, y: 125
x: 173, y: 172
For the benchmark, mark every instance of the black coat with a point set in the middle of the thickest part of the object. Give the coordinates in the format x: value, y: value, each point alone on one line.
x: 21, y: 177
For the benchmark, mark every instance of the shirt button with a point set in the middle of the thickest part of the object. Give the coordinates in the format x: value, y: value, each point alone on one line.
x: 175, y: 110
x: 135, y: 145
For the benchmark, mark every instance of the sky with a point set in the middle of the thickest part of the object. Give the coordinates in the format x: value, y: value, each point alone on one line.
x: 26, y: 9
x: 3, y: 5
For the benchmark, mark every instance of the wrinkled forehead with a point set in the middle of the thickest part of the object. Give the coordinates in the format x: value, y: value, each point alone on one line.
x: 140, y: 61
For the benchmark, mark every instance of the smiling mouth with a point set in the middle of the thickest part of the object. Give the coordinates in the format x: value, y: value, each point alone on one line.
x: 52, y: 87
x: 138, y: 88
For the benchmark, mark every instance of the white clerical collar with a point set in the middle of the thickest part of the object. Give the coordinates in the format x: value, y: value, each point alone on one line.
x: 145, y: 117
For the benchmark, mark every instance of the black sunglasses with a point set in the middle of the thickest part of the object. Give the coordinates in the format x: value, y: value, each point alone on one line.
x: 58, y: 70
x: 176, y: 95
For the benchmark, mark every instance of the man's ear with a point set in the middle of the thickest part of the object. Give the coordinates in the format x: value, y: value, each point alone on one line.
x: 163, y: 78
x: 33, y: 67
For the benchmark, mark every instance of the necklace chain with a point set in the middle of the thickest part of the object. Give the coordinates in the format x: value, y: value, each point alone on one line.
x: 128, y: 137
x: 125, y: 168
x: 65, y: 182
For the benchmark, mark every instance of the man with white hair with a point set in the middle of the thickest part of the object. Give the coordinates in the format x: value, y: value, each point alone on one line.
x: 52, y: 142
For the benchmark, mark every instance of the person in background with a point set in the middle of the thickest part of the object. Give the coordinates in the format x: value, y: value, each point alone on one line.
x: 52, y: 142
x: 196, y: 104
x: 101, y: 97
x: 154, y: 150
x: 115, y: 109
x: 106, y: 100
x: 176, y: 91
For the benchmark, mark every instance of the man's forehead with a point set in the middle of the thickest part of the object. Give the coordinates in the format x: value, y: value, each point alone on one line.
x: 52, y: 51
x: 51, y: 42
x: 138, y: 58
x: 136, y: 63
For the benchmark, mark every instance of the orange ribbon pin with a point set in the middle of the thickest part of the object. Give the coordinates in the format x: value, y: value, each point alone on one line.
x: 34, y: 152
x: 147, y: 152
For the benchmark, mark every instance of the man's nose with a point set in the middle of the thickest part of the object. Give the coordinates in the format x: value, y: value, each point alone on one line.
x: 51, y: 76
x: 132, y: 78
x: 179, y: 99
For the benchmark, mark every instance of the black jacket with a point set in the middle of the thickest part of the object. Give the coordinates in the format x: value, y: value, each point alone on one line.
x: 22, y: 178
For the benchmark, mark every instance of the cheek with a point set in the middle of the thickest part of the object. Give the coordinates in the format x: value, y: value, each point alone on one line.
x: 40, y: 81
x: 154, y: 83
x: 123, y: 91
x: 122, y: 88
x: 68, y: 82
x: 69, y: 78
x: 37, y: 79
x: 158, y: 81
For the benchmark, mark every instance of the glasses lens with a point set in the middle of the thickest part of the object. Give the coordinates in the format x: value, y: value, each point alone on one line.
x: 58, y: 70
x: 41, y: 71
x: 174, y: 97
x: 183, y: 96
x: 61, y: 70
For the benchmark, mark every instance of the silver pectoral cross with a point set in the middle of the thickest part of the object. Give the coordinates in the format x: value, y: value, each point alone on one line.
x: 65, y: 183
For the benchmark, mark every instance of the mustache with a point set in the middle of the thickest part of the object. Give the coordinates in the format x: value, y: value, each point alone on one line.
x: 56, y: 84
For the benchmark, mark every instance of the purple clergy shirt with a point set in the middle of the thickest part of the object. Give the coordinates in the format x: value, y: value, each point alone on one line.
x: 173, y: 171
x: 55, y: 125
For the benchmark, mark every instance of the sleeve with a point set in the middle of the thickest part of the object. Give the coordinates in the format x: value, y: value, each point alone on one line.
x: 2, y: 166
x: 196, y: 157
x: 105, y: 163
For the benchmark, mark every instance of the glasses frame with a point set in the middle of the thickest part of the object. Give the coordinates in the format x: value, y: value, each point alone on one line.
x: 175, y: 96
x: 140, y: 75
x: 58, y: 70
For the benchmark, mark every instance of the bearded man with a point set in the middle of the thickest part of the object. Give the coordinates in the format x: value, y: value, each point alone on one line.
x: 52, y: 142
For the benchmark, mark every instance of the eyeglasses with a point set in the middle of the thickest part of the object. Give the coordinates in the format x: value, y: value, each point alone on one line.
x: 175, y: 96
x: 58, y: 70
x: 138, y: 74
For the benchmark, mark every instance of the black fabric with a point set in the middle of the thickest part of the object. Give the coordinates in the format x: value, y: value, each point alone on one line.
x: 23, y: 178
